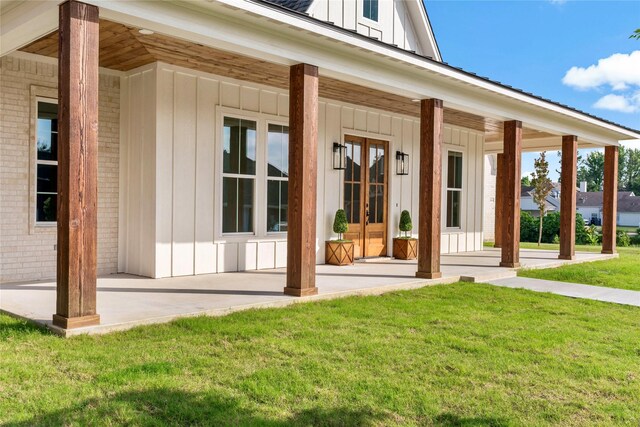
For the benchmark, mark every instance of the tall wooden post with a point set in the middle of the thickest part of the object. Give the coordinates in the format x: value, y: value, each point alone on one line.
x: 499, y: 202
x: 610, y: 200
x: 431, y: 133
x: 303, y: 161
x: 568, y: 197
x: 77, y: 165
x: 512, y: 171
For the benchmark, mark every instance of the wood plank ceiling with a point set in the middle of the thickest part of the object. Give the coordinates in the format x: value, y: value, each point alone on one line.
x: 123, y: 48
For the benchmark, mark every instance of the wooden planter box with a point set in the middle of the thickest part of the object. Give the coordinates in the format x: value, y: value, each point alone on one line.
x: 405, y: 248
x: 338, y: 253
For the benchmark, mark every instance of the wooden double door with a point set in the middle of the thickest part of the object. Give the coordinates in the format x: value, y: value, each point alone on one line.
x: 365, y: 195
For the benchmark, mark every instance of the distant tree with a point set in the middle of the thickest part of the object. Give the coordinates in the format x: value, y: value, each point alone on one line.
x: 591, y: 170
x: 632, y: 169
x: 542, y: 187
x: 635, y: 35
x: 526, y: 181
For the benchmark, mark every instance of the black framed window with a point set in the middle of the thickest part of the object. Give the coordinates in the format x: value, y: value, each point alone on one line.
x: 454, y: 189
x: 238, y: 175
x: 47, y: 162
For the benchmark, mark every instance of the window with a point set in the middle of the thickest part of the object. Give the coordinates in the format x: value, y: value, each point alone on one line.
x: 277, y: 177
x: 454, y: 189
x: 238, y: 175
x: 370, y: 9
x: 47, y: 162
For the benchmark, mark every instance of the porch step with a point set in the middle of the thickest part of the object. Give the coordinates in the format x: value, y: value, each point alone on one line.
x: 502, y: 273
x: 373, y: 259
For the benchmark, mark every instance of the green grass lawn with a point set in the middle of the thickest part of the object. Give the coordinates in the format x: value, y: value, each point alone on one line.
x: 462, y: 354
x: 623, y: 273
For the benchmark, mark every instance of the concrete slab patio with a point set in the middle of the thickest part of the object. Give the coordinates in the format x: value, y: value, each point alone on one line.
x: 126, y: 301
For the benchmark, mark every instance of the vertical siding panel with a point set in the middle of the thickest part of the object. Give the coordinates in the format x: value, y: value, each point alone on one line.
x: 269, y: 102
x: 323, y: 141
x: 347, y: 117
x: 148, y: 168
x: 373, y: 122
x: 184, y: 166
x: 250, y: 98
x: 470, y: 190
x: 230, y: 95
x: 333, y: 179
x: 360, y: 120
x: 164, y: 177
x: 205, y: 256
x: 135, y: 189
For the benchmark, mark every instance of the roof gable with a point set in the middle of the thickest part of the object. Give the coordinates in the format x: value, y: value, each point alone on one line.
x: 402, y: 23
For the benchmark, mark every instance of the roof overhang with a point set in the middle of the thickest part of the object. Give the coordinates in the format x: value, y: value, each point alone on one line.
x: 274, y: 34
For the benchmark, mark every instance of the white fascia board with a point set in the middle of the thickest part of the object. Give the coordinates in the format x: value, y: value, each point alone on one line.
x: 26, y: 22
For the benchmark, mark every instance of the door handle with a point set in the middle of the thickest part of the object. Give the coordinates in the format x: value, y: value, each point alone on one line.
x: 366, y: 214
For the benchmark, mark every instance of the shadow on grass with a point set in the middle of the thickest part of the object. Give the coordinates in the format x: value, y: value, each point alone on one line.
x: 174, y: 407
x: 20, y: 328
x: 163, y: 406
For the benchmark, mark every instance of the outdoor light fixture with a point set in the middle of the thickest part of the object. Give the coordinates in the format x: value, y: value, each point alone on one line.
x: 402, y: 163
x: 339, y: 156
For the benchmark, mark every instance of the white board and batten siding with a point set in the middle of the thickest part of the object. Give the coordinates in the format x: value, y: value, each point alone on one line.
x: 171, y: 190
x: 394, y: 25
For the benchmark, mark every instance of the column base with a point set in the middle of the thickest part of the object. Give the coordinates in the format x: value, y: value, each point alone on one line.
x: 510, y: 264
x: 297, y: 292
x: 427, y: 275
x: 75, y: 322
x: 567, y: 257
x: 607, y: 252
x: 497, y: 245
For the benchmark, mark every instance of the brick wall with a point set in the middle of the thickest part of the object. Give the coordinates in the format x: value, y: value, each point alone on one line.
x: 27, y: 251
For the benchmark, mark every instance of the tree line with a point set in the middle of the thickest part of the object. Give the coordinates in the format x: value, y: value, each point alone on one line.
x: 591, y: 170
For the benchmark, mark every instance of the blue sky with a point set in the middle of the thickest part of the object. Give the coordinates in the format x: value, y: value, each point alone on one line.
x: 532, y: 45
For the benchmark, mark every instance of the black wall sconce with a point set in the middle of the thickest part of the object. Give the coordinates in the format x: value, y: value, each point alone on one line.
x: 339, y: 156
x: 402, y: 163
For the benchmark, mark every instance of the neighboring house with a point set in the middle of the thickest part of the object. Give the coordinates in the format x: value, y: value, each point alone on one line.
x: 230, y: 131
x: 589, y: 205
x: 527, y: 204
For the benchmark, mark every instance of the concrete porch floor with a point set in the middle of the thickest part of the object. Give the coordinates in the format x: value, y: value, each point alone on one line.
x: 126, y: 301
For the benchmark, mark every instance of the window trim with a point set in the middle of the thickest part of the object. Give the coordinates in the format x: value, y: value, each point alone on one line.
x: 445, y: 188
x: 267, y: 178
x: 36, y: 162
x: 369, y: 21
x: 260, y: 202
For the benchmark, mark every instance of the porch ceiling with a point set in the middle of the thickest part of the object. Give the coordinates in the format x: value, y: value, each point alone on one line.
x: 123, y: 48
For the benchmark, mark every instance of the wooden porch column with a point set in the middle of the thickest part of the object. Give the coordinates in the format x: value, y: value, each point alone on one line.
x: 610, y: 200
x: 77, y: 165
x: 431, y: 133
x: 511, y: 202
x: 568, y: 197
x: 499, y: 202
x: 303, y: 161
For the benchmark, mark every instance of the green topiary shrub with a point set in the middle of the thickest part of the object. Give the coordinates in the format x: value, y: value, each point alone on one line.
x: 340, y: 223
x: 405, y: 223
x: 622, y: 239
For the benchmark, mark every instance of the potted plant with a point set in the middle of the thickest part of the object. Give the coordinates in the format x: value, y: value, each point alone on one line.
x: 339, y: 252
x: 405, y: 247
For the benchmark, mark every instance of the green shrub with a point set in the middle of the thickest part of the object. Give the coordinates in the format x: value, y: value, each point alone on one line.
x: 592, y: 237
x: 622, y: 239
x: 550, y: 227
x: 582, y: 233
x: 405, y: 222
x: 556, y: 239
x: 340, y: 223
x: 635, y: 240
x: 528, y: 227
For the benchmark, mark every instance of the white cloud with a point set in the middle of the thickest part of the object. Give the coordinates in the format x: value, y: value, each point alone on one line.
x: 618, y: 71
x: 622, y: 103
